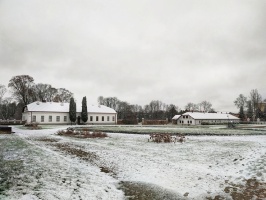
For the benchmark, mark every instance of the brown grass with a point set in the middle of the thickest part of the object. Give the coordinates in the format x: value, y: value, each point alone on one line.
x: 253, y: 189
x: 84, y: 133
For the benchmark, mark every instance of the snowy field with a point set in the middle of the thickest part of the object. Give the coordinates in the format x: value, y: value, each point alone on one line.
x: 38, y: 164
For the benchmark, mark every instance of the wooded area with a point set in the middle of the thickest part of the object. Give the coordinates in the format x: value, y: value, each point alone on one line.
x: 24, y: 91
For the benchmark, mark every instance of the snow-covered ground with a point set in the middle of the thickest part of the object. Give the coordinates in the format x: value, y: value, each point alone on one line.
x: 38, y: 164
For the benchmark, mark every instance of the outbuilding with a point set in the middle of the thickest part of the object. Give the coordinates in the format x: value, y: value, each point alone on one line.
x: 197, y: 118
x: 58, y: 113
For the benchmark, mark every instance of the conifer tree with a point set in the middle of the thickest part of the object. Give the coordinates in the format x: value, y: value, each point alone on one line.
x: 84, y: 111
x: 241, y: 113
x: 249, y: 111
x: 72, y: 110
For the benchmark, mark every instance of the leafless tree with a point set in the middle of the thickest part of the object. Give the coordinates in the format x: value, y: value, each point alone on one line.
x: 255, y: 99
x: 51, y: 94
x: 100, y: 100
x: 191, y: 107
x: 241, y: 101
x: 63, y: 95
x: 205, y: 106
x: 2, y: 92
x: 42, y: 91
x: 8, y: 108
x: 22, y: 88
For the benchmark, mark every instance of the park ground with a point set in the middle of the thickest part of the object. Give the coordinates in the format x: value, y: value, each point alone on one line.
x: 213, y: 163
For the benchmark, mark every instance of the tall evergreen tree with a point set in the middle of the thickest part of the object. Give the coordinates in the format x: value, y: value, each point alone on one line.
x: 250, y: 111
x: 241, y: 113
x: 84, y: 111
x: 72, y: 110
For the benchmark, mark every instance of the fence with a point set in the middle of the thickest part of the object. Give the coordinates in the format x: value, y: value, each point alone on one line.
x: 11, y: 122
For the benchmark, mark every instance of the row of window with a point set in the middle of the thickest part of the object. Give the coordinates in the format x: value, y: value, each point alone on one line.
x: 182, y: 122
x: 50, y: 118
x: 103, y: 118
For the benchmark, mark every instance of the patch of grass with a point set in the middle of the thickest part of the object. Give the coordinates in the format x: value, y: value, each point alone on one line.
x: 84, y: 155
x: 47, y: 139
x: 145, y: 191
x: 84, y: 133
x: 253, y: 189
x: 10, y: 168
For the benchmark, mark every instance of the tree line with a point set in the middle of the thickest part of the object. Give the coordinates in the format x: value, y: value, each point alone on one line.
x: 252, y: 106
x: 131, y: 112
x: 155, y: 110
x: 24, y: 91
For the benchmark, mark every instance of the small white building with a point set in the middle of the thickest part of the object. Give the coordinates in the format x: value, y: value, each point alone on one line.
x: 197, y: 118
x: 58, y: 113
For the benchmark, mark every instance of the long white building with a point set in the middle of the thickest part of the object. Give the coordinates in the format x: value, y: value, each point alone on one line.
x: 197, y: 118
x: 58, y: 113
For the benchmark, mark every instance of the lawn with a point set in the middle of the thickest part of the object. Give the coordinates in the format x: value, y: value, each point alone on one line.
x: 39, y: 164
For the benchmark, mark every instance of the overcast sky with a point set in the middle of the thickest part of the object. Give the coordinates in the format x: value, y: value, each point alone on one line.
x: 138, y: 50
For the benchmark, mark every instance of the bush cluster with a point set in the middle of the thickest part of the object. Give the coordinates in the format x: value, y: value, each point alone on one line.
x: 85, y: 133
x: 155, y: 122
x: 32, y: 125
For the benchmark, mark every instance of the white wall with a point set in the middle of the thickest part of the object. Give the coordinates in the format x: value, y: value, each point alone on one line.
x: 190, y: 121
x: 102, y: 118
x: 185, y: 121
x: 29, y: 117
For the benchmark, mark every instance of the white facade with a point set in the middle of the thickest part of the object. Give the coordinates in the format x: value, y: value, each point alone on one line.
x: 58, y: 113
x: 197, y: 118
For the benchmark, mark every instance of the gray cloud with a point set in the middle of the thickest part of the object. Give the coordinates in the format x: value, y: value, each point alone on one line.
x: 174, y: 51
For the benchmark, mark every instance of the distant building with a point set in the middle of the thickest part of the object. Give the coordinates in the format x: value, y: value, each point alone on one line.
x: 262, y: 106
x: 197, y: 118
x: 58, y: 113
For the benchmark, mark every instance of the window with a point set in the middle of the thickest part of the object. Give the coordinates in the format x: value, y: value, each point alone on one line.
x: 65, y: 118
x: 50, y: 118
x: 113, y: 118
x: 91, y: 118
x: 97, y: 118
x: 34, y: 118
x: 102, y: 118
x: 42, y: 118
x: 108, y: 118
x: 58, y: 118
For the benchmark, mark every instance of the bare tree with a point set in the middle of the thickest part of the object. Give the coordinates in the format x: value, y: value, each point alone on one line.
x: 63, y: 95
x: 241, y: 101
x: 111, y: 102
x: 22, y: 88
x: 191, y: 106
x: 8, y: 108
x: 42, y: 91
x: 255, y: 99
x: 2, y: 92
x: 51, y: 94
x: 100, y: 100
x: 205, y: 106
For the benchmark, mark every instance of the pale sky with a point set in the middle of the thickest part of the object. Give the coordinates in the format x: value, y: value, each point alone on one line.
x: 138, y: 50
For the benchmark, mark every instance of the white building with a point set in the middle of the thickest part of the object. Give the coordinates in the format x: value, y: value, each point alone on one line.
x: 58, y: 113
x: 196, y: 118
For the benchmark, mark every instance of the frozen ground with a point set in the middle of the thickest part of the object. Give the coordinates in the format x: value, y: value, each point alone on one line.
x: 38, y: 164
